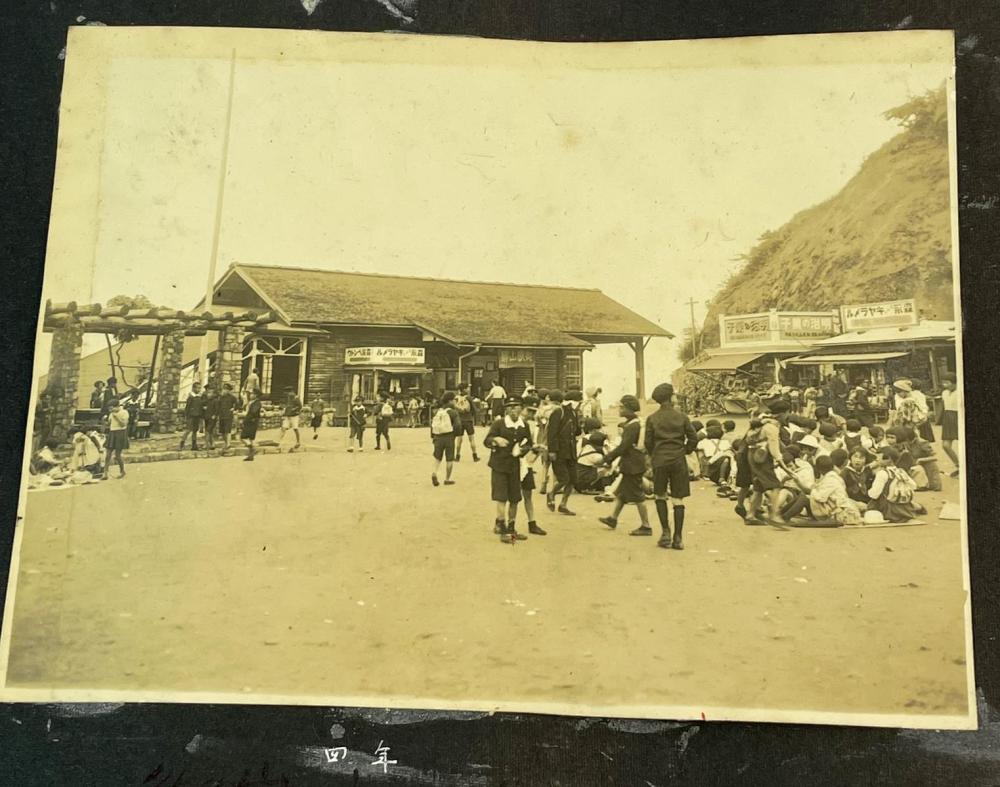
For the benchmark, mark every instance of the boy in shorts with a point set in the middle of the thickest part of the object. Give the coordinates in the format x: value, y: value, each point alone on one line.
x: 445, y: 425
x: 290, y: 418
x: 508, y: 439
x: 670, y: 437
x: 466, y: 410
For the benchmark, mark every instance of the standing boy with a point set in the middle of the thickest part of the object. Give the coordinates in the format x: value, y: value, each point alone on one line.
x: 530, y: 460
x: 251, y: 420
x: 357, y: 418
x: 383, y: 417
x: 669, y: 438
x: 317, y: 408
x: 194, y: 411
x: 445, y: 425
x: 290, y: 418
x: 227, y: 407
x: 563, y: 430
x: 211, y: 416
x: 508, y: 439
x: 466, y: 410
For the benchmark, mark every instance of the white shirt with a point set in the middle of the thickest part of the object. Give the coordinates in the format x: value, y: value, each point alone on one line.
x: 496, y: 392
x: 715, y: 448
x: 950, y: 400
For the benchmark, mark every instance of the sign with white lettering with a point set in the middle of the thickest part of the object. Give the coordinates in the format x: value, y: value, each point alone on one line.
x: 887, y: 314
x: 384, y: 356
x: 751, y: 328
x: 806, y: 326
x: 516, y: 359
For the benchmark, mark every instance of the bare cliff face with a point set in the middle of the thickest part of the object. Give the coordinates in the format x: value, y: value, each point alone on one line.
x: 885, y: 235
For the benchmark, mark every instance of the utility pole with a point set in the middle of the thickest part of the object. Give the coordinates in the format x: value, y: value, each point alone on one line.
x: 694, y: 330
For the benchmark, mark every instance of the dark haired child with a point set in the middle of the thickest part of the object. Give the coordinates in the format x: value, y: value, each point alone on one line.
x: 856, y: 473
x: 358, y: 419
x: 632, y: 465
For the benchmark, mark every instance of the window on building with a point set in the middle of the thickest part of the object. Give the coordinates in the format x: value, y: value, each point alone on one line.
x: 276, y: 359
x: 573, y: 366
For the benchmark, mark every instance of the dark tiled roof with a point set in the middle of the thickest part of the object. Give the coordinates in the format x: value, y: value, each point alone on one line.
x: 462, y: 311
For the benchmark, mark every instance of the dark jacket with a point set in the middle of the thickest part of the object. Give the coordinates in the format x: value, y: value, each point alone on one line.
x: 857, y: 483
x: 194, y: 407
x: 564, y: 428
x: 633, y: 460
x: 227, y: 404
x: 253, y: 412
x: 669, y: 436
x: 502, y: 459
x: 211, y: 408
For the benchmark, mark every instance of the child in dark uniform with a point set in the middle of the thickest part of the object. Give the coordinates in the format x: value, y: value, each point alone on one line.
x: 358, y: 417
x: 632, y: 465
x: 508, y: 439
x: 251, y: 419
x: 669, y: 439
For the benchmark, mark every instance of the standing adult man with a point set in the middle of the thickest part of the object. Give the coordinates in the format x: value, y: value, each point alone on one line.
x: 669, y: 438
x: 495, y: 399
x: 564, y: 428
x: 194, y: 411
x: 466, y: 410
x: 250, y: 384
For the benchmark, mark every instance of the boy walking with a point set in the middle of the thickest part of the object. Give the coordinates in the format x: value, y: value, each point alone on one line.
x: 564, y: 428
x: 669, y: 438
x: 632, y: 465
x: 445, y: 425
x: 357, y: 418
x: 290, y: 418
x: 383, y: 418
x: 508, y: 439
x: 194, y: 411
x: 466, y: 410
x: 316, y: 421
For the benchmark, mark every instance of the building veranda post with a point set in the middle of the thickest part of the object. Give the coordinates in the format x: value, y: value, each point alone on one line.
x: 339, y: 335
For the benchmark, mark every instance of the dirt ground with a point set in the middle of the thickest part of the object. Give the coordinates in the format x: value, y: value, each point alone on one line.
x: 349, y: 575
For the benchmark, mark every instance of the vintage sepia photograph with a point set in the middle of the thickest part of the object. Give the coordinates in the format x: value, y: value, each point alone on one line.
x: 397, y: 371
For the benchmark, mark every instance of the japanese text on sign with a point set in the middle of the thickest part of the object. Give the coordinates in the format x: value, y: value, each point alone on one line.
x: 806, y: 326
x: 747, y: 329
x: 879, y: 315
x: 375, y: 356
x: 514, y: 359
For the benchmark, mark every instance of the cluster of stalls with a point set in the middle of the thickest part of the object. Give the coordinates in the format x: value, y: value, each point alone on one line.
x: 872, y: 344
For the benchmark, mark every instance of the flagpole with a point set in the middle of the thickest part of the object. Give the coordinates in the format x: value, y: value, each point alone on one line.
x: 214, y: 261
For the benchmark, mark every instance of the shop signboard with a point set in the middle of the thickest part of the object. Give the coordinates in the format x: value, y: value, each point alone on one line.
x: 806, y: 326
x: 515, y: 359
x: 746, y: 328
x: 384, y: 356
x: 886, y: 314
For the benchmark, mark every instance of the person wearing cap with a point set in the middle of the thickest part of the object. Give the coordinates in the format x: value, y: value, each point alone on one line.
x: 466, y: 409
x: 949, y: 418
x: 669, y: 439
x: 508, y: 440
x: 892, y: 490
x: 563, y: 430
x: 290, y: 418
x: 632, y: 464
x: 909, y: 411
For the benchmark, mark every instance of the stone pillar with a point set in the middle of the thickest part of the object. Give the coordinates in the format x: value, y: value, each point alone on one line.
x: 168, y: 380
x: 64, y: 377
x: 230, y: 358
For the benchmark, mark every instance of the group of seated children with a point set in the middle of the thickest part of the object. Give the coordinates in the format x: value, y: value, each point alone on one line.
x: 838, y: 472
x: 85, y: 463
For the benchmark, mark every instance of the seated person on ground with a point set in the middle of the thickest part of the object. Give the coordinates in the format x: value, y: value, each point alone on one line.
x: 828, y: 499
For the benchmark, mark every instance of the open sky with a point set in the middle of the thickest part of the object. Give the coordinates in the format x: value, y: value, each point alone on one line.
x: 540, y: 166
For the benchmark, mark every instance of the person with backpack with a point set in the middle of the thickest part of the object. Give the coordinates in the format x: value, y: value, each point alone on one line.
x: 466, y: 410
x: 630, y: 453
x: 892, y: 489
x: 383, y: 418
x: 445, y: 425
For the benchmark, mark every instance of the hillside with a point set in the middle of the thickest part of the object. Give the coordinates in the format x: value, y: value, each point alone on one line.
x: 885, y: 235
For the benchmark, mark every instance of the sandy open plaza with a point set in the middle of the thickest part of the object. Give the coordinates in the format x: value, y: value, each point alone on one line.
x: 324, y: 574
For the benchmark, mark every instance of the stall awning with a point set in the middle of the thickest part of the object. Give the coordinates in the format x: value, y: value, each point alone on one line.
x: 852, y: 359
x: 394, y: 369
x: 724, y: 363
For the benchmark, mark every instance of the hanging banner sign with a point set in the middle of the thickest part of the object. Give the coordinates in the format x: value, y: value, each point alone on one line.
x: 516, y: 359
x: 384, y: 356
x: 806, y: 326
x: 752, y: 328
x: 887, y: 314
